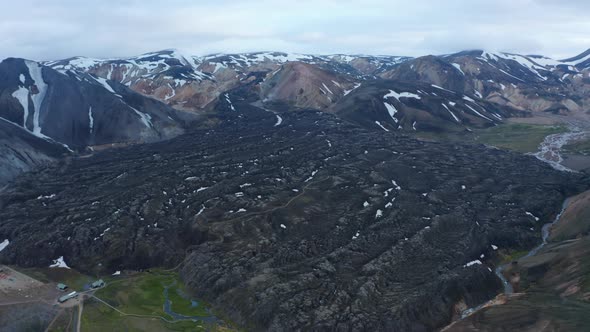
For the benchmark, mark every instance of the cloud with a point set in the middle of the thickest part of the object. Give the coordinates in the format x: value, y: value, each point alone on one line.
x: 45, y: 30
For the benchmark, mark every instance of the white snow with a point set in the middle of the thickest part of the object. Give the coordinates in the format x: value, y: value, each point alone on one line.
x: 239, y: 194
x: 4, y: 244
x: 441, y: 88
x: 396, y: 185
x: 366, y: 204
x: 401, y: 95
x: 145, y: 118
x: 356, y: 85
x: 104, y: 84
x: 391, y: 110
x: 355, y: 236
x: 279, y: 120
x: 283, y: 226
x: 242, y: 210
x: 46, y: 197
x: 378, y: 214
x: 414, y: 125
x: 21, y: 77
x: 173, y: 92
x: 117, y: 273
x: 201, y: 210
x: 458, y: 66
x: 37, y: 76
x: 494, y: 247
x: 476, y: 112
x: 191, y: 178
x: 229, y: 102
x: 325, y: 87
x: 463, y: 187
x: 90, y: 119
x: 477, y: 261
x: 379, y: 124
x: 453, y: 114
x: 59, y: 263
x: 245, y: 185
x: 532, y: 215
x: 201, y: 189
x: 22, y: 95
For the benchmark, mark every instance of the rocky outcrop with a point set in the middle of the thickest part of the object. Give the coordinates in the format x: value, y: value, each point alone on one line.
x: 304, y: 86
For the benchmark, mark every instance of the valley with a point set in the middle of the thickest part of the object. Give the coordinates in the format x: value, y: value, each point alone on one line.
x: 229, y: 191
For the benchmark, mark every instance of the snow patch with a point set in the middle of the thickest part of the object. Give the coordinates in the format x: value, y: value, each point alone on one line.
x: 453, y: 114
x: 4, y: 244
x: 22, y: 95
x: 59, y: 263
x: 379, y: 124
x: 458, y: 66
x: 90, y: 119
x: 477, y: 261
x: 401, y: 95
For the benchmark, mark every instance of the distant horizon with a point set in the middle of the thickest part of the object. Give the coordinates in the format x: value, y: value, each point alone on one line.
x: 287, y: 52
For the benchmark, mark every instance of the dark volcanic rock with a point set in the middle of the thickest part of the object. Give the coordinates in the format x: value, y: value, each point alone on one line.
x: 20, y: 151
x: 311, y: 224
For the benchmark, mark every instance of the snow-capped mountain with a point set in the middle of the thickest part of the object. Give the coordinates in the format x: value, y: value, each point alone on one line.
x: 78, y: 109
x: 522, y: 82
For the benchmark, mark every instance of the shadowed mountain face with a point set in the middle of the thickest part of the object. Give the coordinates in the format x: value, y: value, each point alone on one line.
x: 80, y: 110
x: 75, y: 110
x: 20, y: 151
x: 311, y: 216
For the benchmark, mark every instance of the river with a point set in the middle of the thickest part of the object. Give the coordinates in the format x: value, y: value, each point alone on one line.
x: 550, y: 148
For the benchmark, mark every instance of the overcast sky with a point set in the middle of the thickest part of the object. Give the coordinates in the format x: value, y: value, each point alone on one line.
x: 54, y: 29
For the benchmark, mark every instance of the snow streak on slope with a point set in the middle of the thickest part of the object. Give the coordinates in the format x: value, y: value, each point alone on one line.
x: 145, y: 118
x: 4, y: 244
x: 401, y: 95
x: 90, y: 119
x: 35, y: 70
x: 22, y: 95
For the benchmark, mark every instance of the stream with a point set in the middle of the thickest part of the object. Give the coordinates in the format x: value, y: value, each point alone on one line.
x: 508, y: 289
x: 550, y: 148
x: 177, y: 316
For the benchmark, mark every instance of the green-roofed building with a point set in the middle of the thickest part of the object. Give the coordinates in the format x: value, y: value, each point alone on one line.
x: 62, y: 287
x: 97, y: 284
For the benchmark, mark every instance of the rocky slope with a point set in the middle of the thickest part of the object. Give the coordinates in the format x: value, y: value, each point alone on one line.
x: 21, y: 151
x: 528, y: 83
x: 553, y: 292
x: 308, y: 215
x: 413, y: 106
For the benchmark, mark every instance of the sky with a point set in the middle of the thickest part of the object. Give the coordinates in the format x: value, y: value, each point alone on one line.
x: 57, y: 29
